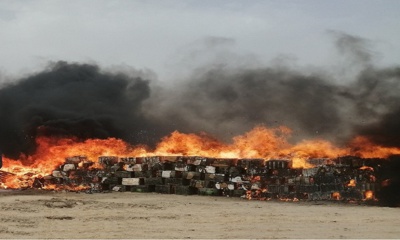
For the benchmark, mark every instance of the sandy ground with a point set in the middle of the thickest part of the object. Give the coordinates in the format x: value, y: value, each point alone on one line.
x: 33, y: 214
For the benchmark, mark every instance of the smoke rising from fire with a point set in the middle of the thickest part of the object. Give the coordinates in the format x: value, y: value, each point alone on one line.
x: 70, y: 99
x: 82, y: 100
x: 228, y: 101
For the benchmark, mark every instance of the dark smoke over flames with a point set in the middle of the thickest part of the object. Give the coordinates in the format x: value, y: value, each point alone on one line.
x: 229, y: 101
x: 71, y: 100
x: 82, y: 100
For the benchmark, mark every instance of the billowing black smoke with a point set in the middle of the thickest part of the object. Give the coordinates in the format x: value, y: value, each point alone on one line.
x: 71, y: 100
x: 81, y: 100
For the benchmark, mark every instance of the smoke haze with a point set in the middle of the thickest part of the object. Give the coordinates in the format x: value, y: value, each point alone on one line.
x: 82, y: 100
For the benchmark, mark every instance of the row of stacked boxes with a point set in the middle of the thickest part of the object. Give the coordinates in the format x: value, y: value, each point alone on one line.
x: 170, y: 175
x: 332, y: 180
x: 253, y: 178
x: 250, y: 178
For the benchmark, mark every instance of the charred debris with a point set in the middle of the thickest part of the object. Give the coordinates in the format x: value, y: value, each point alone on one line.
x: 348, y: 178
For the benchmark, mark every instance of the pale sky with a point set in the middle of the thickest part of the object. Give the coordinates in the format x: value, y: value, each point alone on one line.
x: 168, y: 36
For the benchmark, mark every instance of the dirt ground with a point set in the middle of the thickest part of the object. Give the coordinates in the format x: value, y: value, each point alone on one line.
x: 36, y: 214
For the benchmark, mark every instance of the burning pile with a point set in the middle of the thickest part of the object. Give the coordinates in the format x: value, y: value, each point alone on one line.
x: 112, y: 165
x: 76, y: 126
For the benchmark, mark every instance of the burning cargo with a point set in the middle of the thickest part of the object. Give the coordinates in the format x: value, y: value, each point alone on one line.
x: 345, y: 178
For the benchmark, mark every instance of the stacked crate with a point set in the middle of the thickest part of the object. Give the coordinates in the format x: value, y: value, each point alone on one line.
x: 184, y: 175
x: 344, y: 178
x: 75, y: 171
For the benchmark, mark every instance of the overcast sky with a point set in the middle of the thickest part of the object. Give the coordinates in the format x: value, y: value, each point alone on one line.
x: 167, y: 36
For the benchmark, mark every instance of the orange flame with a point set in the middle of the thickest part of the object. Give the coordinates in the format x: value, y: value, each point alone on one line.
x: 369, y: 195
x: 51, y: 153
x: 363, y: 147
x: 352, y: 183
x: 336, y: 196
x: 367, y: 168
x: 260, y: 142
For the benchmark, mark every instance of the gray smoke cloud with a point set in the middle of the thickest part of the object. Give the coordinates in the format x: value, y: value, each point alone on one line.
x: 378, y: 104
x: 227, y: 101
x: 82, y: 100
x: 356, y: 49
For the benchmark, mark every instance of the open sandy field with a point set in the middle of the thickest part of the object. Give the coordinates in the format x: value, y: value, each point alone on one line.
x: 33, y: 214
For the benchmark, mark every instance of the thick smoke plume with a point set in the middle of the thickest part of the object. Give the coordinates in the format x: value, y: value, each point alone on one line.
x: 229, y: 101
x: 71, y: 100
x: 84, y: 101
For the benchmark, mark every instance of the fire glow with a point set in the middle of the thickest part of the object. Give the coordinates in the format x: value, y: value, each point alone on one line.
x: 260, y: 142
